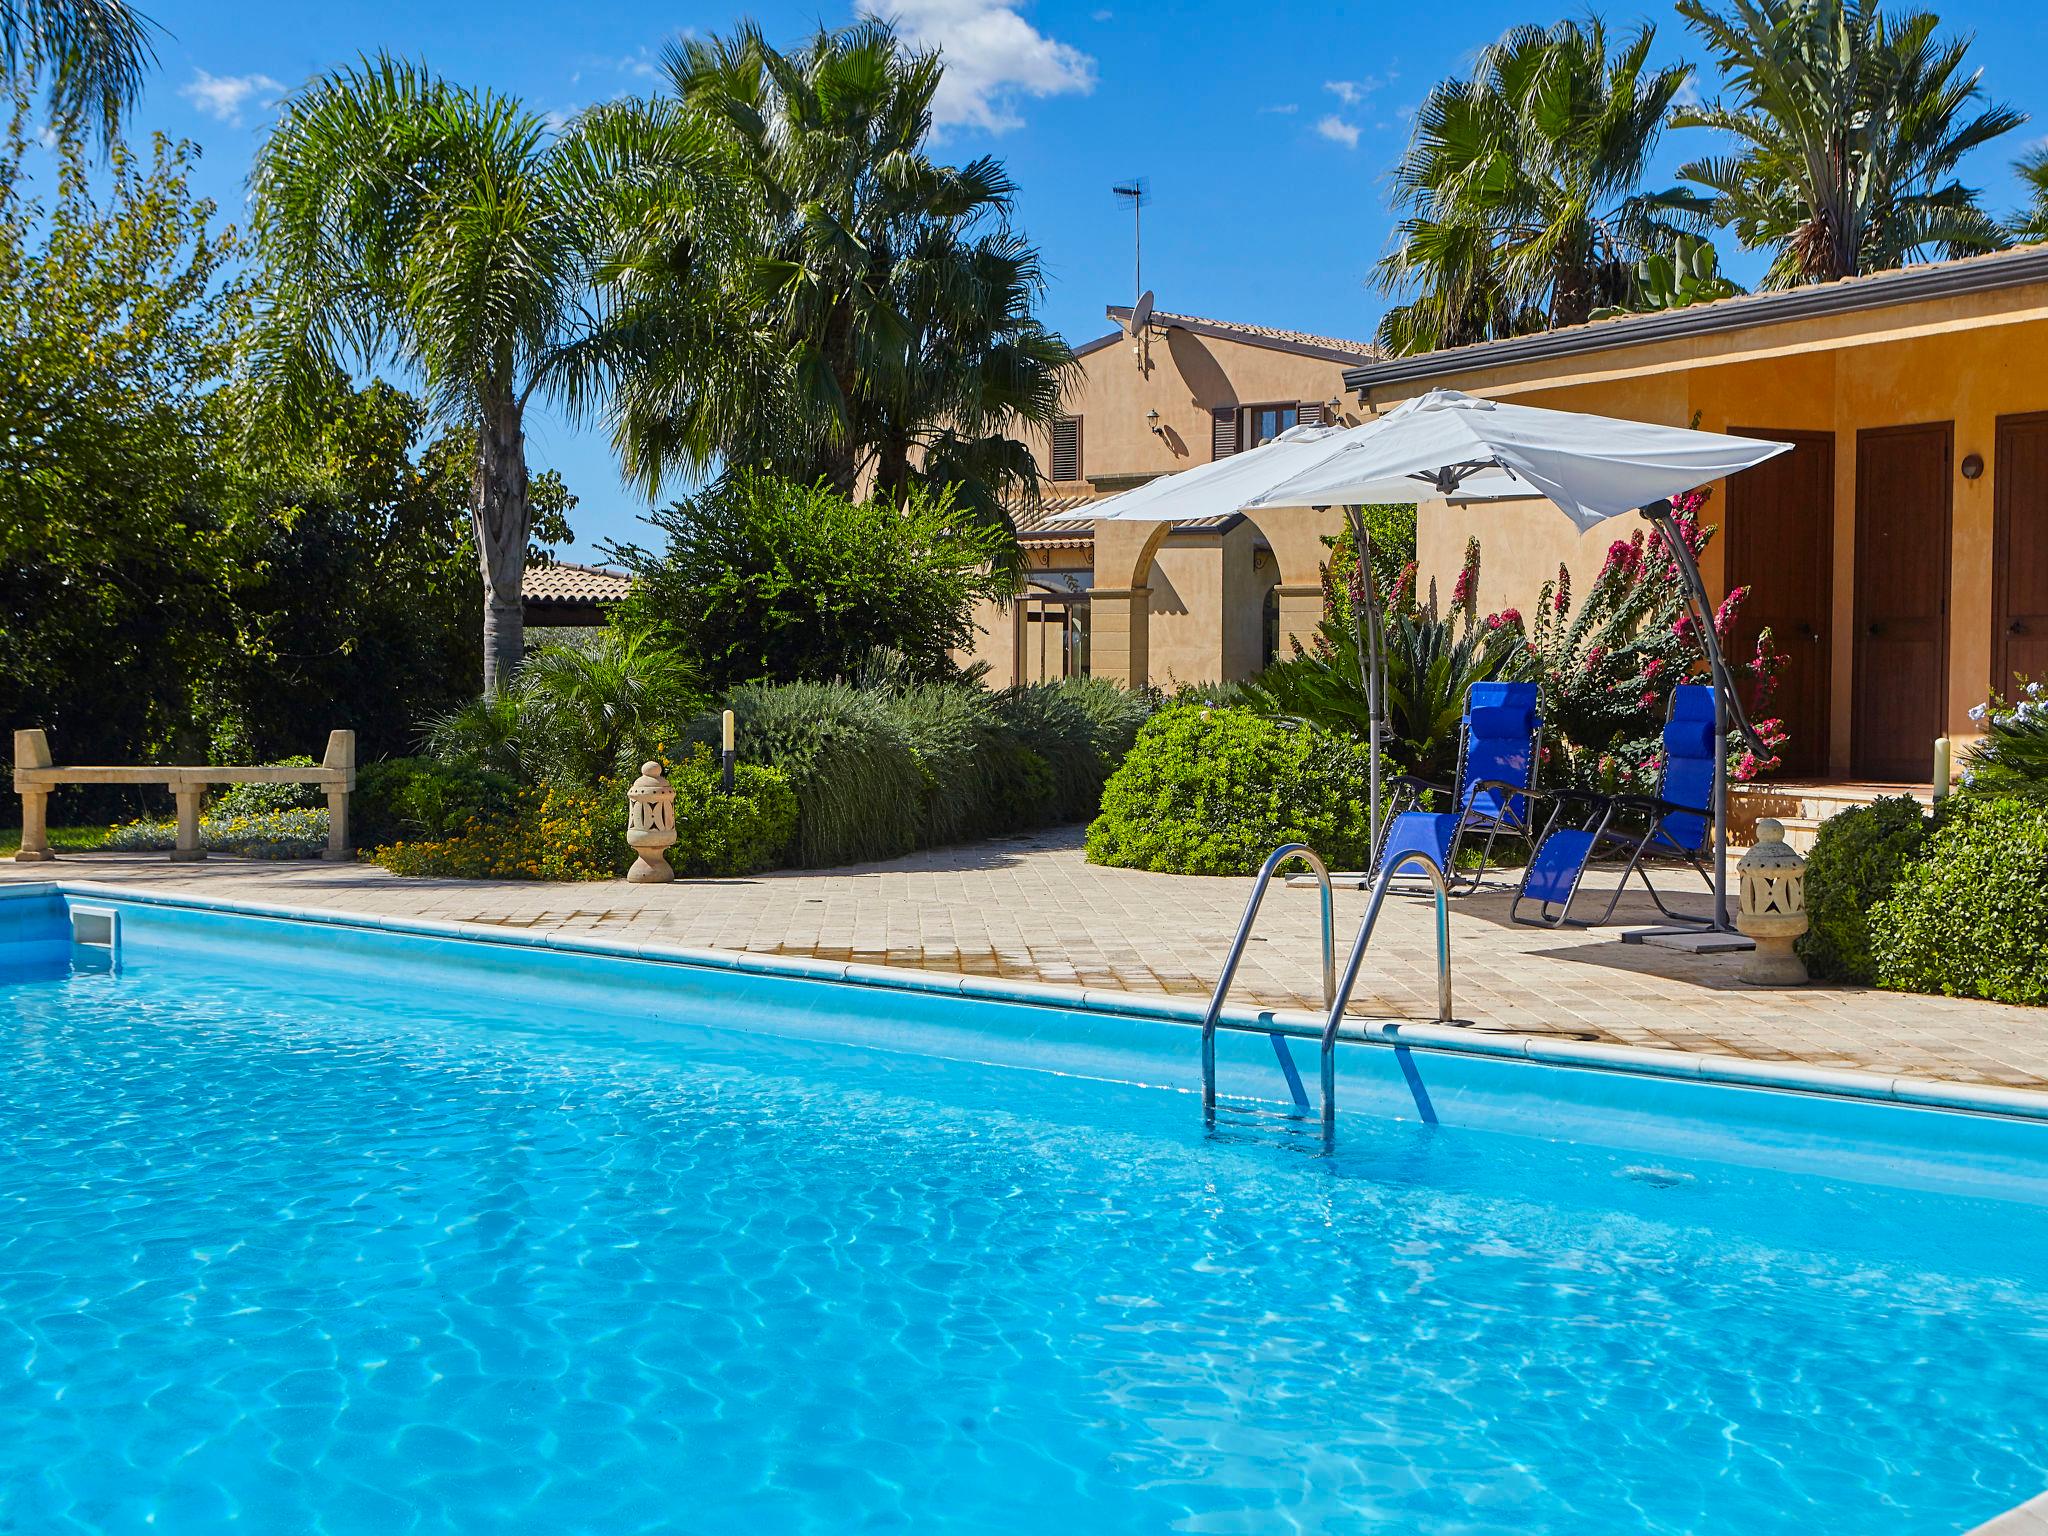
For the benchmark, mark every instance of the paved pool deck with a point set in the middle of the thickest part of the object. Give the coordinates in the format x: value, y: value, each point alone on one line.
x: 1030, y: 908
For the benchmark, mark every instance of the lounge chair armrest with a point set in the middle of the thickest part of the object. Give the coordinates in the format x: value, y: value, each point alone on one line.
x: 1658, y: 806
x: 1410, y: 782
x: 1577, y: 796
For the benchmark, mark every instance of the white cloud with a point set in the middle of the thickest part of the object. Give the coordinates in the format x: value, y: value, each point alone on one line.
x: 224, y: 96
x: 1352, y: 92
x: 1101, y: 15
x: 1284, y: 108
x: 1337, y: 131
x: 993, y: 56
x: 1688, y: 92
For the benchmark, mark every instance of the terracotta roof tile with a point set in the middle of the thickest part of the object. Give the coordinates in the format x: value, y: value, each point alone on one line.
x: 564, y: 582
x: 1355, y: 351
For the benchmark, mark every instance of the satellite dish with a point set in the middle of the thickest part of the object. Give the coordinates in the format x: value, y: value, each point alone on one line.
x: 1141, y: 314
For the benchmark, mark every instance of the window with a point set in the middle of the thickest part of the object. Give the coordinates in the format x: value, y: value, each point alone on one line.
x: 1066, y: 448
x: 1263, y: 423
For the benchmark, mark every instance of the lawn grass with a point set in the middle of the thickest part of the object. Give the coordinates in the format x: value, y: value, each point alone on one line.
x: 62, y: 839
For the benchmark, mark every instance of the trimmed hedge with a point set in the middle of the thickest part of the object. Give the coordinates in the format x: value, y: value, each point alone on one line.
x: 1858, y: 856
x: 1969, y: 915
x: 742, y: 833
x: 1213, y: 791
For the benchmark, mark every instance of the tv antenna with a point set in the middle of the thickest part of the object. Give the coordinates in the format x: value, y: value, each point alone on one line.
x: 1137, y: 191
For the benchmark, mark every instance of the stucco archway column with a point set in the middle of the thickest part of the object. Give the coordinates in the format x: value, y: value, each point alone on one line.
x: 1119, y: 616
x: 1296, y: 535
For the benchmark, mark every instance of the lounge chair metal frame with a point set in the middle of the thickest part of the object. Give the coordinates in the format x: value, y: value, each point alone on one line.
x: 1653, y: 842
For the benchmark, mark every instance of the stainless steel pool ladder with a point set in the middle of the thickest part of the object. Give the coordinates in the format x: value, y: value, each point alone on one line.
x: 1336, y: 990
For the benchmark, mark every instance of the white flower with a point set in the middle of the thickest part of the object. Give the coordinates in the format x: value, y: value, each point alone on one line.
x: 1979, y: 712
x: 2033, y: 690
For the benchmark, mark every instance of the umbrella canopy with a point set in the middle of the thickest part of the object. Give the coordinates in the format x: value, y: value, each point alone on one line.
x: 1216, y: 489
x: 1445, y: 443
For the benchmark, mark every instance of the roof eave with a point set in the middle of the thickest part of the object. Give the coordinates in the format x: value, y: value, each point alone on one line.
x: 1915, y: 284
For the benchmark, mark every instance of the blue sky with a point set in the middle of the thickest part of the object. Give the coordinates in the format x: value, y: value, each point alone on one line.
x: 1266, y: 133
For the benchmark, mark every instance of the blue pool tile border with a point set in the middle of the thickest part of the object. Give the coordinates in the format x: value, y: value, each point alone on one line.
x: 1452, y: 1039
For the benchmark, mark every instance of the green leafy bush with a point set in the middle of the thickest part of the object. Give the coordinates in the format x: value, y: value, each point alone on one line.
x: 1212, y: 792
x: 767, y: 580
x: 1969, y: 916
x: 238, y: 800
x: 859, y: 790
x: 749, y: 830
x: 1858, y: 856
x: 417, y: 797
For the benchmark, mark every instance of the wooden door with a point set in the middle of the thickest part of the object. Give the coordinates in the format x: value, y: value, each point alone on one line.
x: 2019, y: 562
x: 1903, y: 506
x: 1781, y: 545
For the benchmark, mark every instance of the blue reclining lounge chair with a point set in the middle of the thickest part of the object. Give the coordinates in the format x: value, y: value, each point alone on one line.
x: 1497, y: 750
x: 1676, y: 824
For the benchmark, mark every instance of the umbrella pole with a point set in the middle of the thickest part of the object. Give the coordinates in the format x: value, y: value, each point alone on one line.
x: 1660, y: 518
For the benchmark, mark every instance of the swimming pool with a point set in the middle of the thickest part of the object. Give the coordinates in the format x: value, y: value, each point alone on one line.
x: 319, y: 1227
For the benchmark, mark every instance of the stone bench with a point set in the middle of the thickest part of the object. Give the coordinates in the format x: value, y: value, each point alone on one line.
x: 35, y: 775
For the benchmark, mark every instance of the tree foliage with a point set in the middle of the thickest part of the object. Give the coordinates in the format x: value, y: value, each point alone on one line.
x: 88, y: 55
x: 764, y: 580
x: 798, y: 284
x: 1851, y: 124
x: 1522, y: 188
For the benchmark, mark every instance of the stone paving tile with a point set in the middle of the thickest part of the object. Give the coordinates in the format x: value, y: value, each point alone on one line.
x: 1033, y: 909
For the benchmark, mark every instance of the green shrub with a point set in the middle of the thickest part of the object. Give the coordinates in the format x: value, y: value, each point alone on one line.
x: 1022, y: 789
x: 949, y: 727
x: 1969, y: 915
x: 1212, y: 792
x: 416, y: 797
x: 737, y: 834
x: 1115, y: 715
x: 1857, y: 858
x: 1048, y: 720
x: 859, y: 790
x: 767, y: 580
x: 242, y: 800
x: 555, y: 832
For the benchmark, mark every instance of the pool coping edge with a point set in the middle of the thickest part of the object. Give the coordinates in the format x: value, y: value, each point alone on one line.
x: 1454, y: 1039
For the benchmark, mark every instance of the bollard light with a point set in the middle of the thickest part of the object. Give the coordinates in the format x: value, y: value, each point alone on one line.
x: 1942, y: 768
x: 725, y: 757
x: 650, y: 825
x: 1772, y: 909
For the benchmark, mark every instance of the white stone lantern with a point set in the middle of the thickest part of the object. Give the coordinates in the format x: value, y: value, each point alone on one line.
x: 1773, y: 908
x: 650, y: 825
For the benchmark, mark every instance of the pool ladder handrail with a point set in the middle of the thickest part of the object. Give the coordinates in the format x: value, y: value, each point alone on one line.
x: 1336, y: 992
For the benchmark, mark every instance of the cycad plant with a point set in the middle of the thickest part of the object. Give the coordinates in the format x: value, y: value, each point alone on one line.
x: 2012, y: 758
x: 1851, y: 125
x: 1522, y: 190
x: 1433, y: 657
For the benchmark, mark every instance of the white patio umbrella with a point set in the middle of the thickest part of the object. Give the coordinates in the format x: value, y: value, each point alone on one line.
x: 1448, y: 444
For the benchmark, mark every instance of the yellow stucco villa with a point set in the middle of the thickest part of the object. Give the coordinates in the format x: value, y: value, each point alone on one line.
x: 1899, y: 554
x: 1149, y: 602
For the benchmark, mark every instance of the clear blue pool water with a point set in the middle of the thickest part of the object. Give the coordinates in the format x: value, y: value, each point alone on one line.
x: 286, y: 1249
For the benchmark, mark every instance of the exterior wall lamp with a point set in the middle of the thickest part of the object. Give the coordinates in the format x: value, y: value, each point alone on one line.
x: 1152, y: 421
x: 1973, y: 466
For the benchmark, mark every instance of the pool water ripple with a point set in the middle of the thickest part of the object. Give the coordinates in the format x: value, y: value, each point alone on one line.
x: 316, y: 1260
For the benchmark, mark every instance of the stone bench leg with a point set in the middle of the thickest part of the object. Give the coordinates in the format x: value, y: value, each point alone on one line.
x: 35, y: 828
x: 188, y: 849
x: 337, y: 825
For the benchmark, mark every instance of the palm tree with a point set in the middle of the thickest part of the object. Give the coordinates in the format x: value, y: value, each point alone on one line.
x: 1522, y: 187
x: 2030, y: 225
x: 1851, y: 127
x: 93, y: 52
x: 859, y: 312
x: 402, y: 217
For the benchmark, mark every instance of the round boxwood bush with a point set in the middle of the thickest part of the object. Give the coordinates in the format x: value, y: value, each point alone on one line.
x: 1968, y: 915
x: 1213, y: 791
x: 740, y: 833
x: 1857, y: 857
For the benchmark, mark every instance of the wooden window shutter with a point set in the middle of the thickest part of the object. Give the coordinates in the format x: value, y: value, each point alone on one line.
x: 1066, y: 448
x: 1222, y: 431
x: 1309, y: 413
